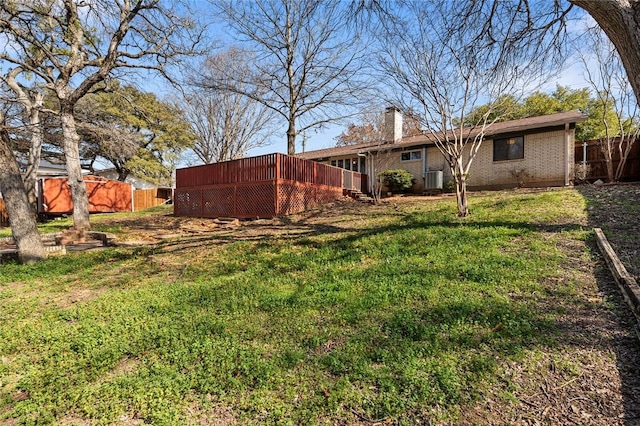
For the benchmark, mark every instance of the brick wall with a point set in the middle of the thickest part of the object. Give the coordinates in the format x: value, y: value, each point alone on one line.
x: 543, y: 163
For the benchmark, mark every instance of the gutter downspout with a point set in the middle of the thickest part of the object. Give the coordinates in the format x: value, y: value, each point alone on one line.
x: 424, y: 168
x: 372, y: 171
x: 566, y: 154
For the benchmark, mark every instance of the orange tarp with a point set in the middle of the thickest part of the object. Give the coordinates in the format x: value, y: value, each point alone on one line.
x: 105, y: 195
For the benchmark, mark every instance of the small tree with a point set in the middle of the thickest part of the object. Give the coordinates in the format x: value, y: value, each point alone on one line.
x: 379, y: 158
x: 444, y: 69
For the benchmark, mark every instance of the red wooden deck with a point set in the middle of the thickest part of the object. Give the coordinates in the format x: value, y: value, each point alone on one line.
x: 258, y: 187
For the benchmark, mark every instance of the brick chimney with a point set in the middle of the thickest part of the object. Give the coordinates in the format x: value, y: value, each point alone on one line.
x: 392, y: 125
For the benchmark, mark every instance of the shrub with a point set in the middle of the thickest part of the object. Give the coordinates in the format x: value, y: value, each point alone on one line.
x: 396, y: 180
x: 450, y: 186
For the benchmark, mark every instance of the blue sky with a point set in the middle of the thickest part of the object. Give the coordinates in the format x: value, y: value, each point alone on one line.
x: 571, y: 76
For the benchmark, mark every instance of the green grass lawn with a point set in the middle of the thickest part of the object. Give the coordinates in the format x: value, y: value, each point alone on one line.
x: 406, y: 314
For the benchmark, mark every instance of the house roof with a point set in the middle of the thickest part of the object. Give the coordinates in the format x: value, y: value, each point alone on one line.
x: 498, y: 128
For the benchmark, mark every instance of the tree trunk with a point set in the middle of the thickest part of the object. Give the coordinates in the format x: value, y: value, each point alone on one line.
x: 122, y: 175
x: 21, y: 217
x: 461, y: 188
x: 605, y: 149
x: 35, y: 152
x: 76, y: 183
x: 620, y: 20
x: 291, y: 137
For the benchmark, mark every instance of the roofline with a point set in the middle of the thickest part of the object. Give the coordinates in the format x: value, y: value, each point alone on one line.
x: 498, y: 128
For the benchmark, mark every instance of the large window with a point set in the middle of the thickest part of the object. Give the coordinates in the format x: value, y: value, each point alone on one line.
x: 411, y: 155
x: 508, y: 148
x: 354, y: 164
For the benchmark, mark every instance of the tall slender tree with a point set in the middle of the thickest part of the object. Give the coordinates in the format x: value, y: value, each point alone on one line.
x: 31, y: 99
x: 227, y: 124
x: 307, y: 60
x: 618, y: 113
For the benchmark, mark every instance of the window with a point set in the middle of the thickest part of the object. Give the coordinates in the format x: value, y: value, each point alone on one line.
x: 341, y: 164
x: 333, y: 162
x: 411, y: 155
x: 508, y: 148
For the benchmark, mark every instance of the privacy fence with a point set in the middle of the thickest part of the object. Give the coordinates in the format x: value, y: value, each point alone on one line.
x: 257, y: 187
x: 589, y: 152
x: 4, y: 217
x: 146, y: 198
x: 102, y: 198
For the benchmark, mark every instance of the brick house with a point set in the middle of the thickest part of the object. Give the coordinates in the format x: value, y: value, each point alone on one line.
x: 531, y: 152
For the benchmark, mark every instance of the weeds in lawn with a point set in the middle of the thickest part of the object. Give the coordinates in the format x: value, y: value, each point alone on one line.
x: 402, y: 315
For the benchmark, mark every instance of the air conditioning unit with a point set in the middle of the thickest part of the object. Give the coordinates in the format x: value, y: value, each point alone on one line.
x: 433, y: 180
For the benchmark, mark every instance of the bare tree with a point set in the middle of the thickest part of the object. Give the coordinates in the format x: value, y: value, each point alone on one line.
x: 70, y: 47
x: 620, y: 114
x: 227, y: 124
x: 444, y: 70
x: 533, y: 27
x: 21, y: 216
x: 537, y: 29
x: 379, y: 158
x: 307, y: 60
x: 370, y: 129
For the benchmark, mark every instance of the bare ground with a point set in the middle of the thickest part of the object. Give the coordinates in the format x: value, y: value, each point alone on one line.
x: 591, y: 376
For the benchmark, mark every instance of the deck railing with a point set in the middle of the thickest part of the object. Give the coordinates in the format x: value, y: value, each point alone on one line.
x: 265, y: 186
x: 257, y: 169
x: 354, y: 181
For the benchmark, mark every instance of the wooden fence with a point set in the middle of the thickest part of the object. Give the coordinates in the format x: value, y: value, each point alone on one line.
x: 257, y: 169
x: 147, y: 198
x: 105, y: 195
x: 4, y: 217
x: 264, y: 186
x: 354, y: 181
x: 597, y: 165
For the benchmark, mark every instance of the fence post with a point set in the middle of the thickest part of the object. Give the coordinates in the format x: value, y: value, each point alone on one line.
x: 277, y: 166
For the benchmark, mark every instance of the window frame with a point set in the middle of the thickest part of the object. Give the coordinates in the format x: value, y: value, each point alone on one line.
x: 502, y: 152
x: 411, y: 154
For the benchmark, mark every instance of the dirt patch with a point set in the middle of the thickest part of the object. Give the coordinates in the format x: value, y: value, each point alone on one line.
x: 155, y: 228
x: 616, y: 209
x: 209, y: 412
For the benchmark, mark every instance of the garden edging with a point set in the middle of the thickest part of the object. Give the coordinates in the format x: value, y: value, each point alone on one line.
x: 627, y: 283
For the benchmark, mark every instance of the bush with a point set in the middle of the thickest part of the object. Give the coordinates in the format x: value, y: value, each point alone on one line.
x: 396, y: 180
x: 450, y: 186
